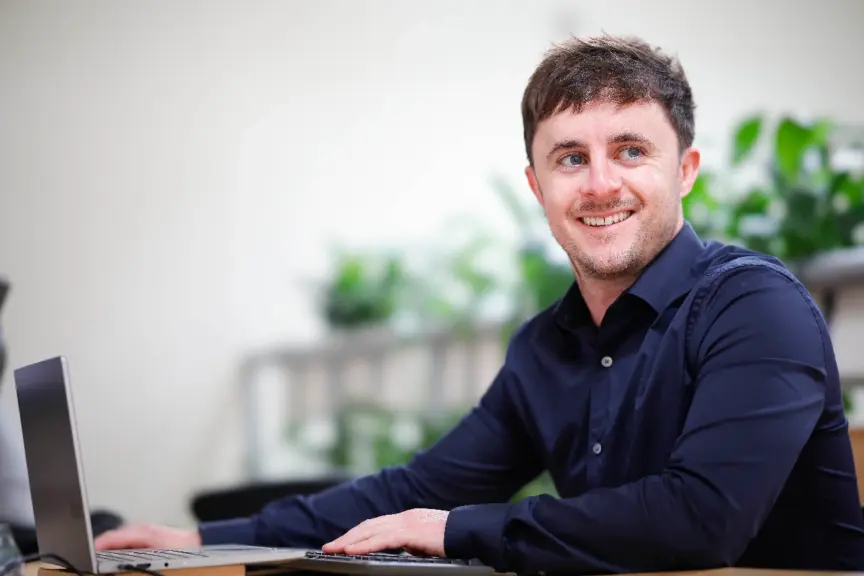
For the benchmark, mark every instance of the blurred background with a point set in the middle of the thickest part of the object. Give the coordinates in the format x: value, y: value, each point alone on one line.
x: 283, y: 243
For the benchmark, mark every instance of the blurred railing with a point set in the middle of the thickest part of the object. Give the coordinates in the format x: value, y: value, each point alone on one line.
x: 434, y: 372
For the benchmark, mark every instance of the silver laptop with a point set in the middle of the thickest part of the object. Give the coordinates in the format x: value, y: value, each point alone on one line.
x: 59, y: 495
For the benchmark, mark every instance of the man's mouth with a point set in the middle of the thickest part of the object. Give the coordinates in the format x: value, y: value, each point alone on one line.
x: 607, y: 220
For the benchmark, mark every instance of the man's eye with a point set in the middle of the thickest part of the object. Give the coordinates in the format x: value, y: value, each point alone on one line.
x: 573, y: 160
x: 632, y: 153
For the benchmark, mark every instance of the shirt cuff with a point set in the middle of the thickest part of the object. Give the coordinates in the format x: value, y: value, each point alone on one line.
x: 236, y: 531
x: 477, y: 532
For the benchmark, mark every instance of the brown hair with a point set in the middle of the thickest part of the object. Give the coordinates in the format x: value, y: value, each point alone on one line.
x: 623, y: 70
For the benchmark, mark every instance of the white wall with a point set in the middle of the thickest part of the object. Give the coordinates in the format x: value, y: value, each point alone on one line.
x: 171, y: 171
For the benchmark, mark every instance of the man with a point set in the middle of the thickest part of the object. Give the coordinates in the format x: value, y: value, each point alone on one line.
x: 684, y: 396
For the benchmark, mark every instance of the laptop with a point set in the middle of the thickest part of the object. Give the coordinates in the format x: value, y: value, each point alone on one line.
x: 61, y: 510
x: 59, y: 495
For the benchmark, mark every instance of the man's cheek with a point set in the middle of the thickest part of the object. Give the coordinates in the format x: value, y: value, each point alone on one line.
x: 562, y: 213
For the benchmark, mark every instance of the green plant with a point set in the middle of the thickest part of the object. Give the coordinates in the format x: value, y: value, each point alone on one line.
x: 364, y: 290
x: 801, y: 203
x: 456, y: 285
x: 370, y: 436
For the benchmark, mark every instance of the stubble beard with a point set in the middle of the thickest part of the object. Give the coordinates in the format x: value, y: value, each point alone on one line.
x: 611, y: 265
x: 626, y: 262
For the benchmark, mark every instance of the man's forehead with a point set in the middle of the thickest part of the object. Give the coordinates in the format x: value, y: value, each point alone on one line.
x: 603, y: 116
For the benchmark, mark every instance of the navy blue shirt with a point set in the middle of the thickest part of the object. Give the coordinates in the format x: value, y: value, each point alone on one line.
x: 700, y: 425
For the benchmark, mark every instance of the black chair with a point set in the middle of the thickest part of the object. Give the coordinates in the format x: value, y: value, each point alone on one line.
x: 247, y: 499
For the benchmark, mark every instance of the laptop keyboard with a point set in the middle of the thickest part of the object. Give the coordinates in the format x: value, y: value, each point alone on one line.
x: 132, y: 555
x: 176, y: 554
x: 388, y: 558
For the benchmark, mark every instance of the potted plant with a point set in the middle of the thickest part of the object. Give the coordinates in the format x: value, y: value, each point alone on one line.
x: 364, y: 292
x: 801, y: 202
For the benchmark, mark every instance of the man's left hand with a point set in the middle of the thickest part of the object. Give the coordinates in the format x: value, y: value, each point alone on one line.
x: 419, y: 531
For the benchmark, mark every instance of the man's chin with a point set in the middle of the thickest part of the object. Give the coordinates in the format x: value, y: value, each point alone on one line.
x: 609, y: 264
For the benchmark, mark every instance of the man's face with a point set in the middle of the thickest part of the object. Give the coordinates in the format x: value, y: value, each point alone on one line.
x: 610, y: 180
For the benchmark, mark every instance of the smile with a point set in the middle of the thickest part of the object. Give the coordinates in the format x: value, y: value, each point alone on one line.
x: 608, y: 220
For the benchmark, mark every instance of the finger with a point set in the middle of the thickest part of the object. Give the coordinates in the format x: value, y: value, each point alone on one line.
x: 103, y: 541
x: 108, y: 539
x: 385, y: 541
x: 114, y: 539
x: 360, y: 532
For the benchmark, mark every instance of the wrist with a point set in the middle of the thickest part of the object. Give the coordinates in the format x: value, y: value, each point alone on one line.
x: 236, y: 531
x: 477, y: 531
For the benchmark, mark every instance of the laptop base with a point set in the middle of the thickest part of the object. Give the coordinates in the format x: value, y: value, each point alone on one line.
x: 232, y: 570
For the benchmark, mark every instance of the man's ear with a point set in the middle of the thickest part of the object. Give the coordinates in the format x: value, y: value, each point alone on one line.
x: 690, y: 160
x: 532, y: 182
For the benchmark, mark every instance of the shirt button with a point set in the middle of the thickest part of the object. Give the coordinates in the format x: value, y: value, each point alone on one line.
x: 606, y: 361
x: 597, y: 448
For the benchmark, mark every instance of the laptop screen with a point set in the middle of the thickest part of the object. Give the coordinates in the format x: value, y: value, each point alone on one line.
x: 53, y: 460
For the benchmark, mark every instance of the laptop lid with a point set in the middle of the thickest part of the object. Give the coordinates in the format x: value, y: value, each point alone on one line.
x: 53, y: 458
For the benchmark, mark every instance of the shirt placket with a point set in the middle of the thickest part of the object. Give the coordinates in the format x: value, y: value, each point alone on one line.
x: 599, y: 416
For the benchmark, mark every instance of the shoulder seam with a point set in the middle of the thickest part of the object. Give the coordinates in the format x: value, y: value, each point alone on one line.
x: 714, y: 279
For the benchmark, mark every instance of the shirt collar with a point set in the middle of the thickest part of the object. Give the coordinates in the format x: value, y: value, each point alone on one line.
x: 666, y: 278
x: 670, y: 274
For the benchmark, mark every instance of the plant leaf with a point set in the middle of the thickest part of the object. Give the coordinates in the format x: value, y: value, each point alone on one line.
x: 820, y: 132
x: 756, y: 203
x: 800, y: 228
x: 745, y: 138
x: 544, y: 280
x: 700, y: 207
x: 701, y: 191
x: 792, y: 140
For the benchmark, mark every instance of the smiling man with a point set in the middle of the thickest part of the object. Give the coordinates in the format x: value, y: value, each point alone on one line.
x: 683, y: 395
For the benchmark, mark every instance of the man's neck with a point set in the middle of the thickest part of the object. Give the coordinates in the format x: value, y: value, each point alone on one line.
x: 599, y: 294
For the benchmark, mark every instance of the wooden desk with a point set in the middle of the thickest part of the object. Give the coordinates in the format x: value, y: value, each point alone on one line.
x: 856, y: 435
x: 32, y: 570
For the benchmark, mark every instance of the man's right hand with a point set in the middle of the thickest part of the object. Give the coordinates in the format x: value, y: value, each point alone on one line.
x: 147, y: 536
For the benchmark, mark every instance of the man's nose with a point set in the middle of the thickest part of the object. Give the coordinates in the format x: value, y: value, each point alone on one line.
x: 603, y: 180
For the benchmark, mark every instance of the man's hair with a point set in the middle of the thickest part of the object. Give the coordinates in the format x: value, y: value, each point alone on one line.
x: 621, y: 70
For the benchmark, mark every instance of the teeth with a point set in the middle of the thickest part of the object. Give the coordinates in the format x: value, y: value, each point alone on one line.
x: 619, y: 217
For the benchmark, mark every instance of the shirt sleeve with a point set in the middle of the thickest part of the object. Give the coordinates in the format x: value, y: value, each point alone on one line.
x: 484, y: 459
x: 762, y: 367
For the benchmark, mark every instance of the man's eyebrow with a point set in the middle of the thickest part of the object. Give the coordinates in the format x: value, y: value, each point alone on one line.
x: 564, y: 145
x: 620, y: 138
x: 623, y: 137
